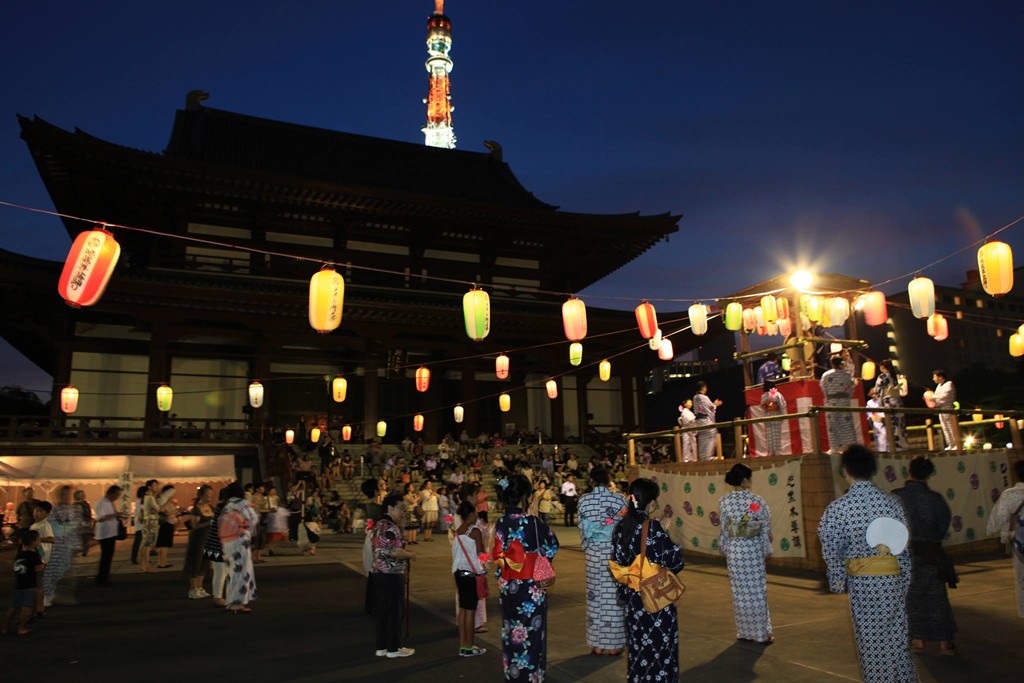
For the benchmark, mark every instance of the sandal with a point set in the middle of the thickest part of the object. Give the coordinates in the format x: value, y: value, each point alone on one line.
x: 596, y: 651
x: 917, y: 646
x: 613, y: 653
x: 947, y: 648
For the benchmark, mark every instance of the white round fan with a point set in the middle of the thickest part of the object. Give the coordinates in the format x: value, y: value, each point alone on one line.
x: 890, y: 532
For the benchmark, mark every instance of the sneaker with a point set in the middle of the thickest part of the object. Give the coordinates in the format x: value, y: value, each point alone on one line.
x: 471, y: 651
x: 401, y: 652
x: 47, y: 602
x: 200, y: 592
x: 381, y: 653
x: 194, y: 595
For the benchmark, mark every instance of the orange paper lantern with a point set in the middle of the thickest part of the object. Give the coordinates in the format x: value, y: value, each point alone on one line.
x: 289, y: 436
x: 938, y: 327
x: 1017, y: 345
x: 875, y: 311
x: 88, y: 267
x: 574, y: 319
x: 346, y: 433
x: 782, y: 308
x: 646, y: 320
x: 417, y: 423
x: 422, y: 379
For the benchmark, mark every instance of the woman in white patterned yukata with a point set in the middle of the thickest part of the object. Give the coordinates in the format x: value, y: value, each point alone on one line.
x: 704, y: 410
x: 235, y: 527
x: 878, y: 595
x: 889, y: 394
x: 745, y: 541
x: 519, y: 539
x: 689, y: 439
x: 652, y: 639
x: 600, y: 511
x: 837, y: 385
x: 774, y: 404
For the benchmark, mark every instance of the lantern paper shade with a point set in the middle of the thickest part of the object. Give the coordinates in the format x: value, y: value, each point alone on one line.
x: 786, y: 363
x: 665, y: 351
x: 785, y: 326
x: 875, y: 310
x: 698, y: 319
x: 929, y: 398
x: 164, y: 398
x: 734, y: 316
x: 1020, y: 330
x: 69, y: 399
x: 813, y: 307
x: 459, y: 412
x: 867, y: 370
x: 476, y: 309
x: 768, y: 306
x: 938, y: 327
x: 505, y: 403
x: 422, y: 379
x: 326, y: 300
x: 339, y: 389
x: 88, y: 267
x: 1017, y: 345
x: 256, y: 394
x: 995, y: 267
x: 782, y: 308
x: 574, y: 319
x: 382, y: 428
x: 346, y: 433
x: 835, y: 347
x: 314, y: 435
x: 759, y: 318
x: 655, y: 341
x: 552, y: 387
x: 838, y: 310
x: 576, y: 353
x: 501, y: 366
x: 773, y: 329
x: 922, y: 297
x: 417, y: 423
x: 289, y: 436
x: 604, y: 370
x: 646, y: 320
x: 749, y: 320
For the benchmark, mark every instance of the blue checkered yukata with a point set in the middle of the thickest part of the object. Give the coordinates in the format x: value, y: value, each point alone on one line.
x: 745, y: 541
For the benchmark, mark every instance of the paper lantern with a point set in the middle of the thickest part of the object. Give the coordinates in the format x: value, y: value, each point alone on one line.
x: 977, y: 417
x: 88, y: 267
x: 813, y: 307
x: 552, y: 387
x: 346, y: 433
x: 289, y: 436
x: 1020, y: 330
x: 805, y: 322
x: 999, y: 425
x: 785, y: 327
x: 505, y: 403
x: 759, y: 318
x: 734, y: 316
x: 655, y: 341
x: 417, y: 423
x: 604, y: 370
x: 422, y: 379
x: 922, y: 297
x: 646, y: 320
x: 256, y: 395
x: 938, y: 327
x: 501, y: 366
x: 698, y: 319
x: 476, y: 309
x: 665, y: 351
x: 164, y: 398
x: 995, y: 267
x: 339, y: 389
x: 69, y: 399
x: 838, y: 310
x: 382, y: 428
x: 576, y: 353
x: 459, y: 412
x: 1017, y: 345
x: 326, y: 300
x: 835, y: 347
x: 314, y: 435
x: 782, y: 308
x: 773, y: 329
x: 786, y: 363
x: 875, y: 310
x: 929, y: 398
x: 574, y: 319
x: 770, y: 308
x: 749, y: 320
x: 867, y: 370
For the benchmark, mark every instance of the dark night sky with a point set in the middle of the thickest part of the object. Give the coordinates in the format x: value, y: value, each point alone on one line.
x: 862, y: 138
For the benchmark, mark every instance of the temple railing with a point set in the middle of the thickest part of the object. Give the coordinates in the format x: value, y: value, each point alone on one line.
x: 31, y: 429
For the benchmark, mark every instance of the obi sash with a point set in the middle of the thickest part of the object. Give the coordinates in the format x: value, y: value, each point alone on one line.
x: 597, y: 530
x: 748, y: 529
x: 630, y: 575
x: 515, y: 562
x: 883, y: 564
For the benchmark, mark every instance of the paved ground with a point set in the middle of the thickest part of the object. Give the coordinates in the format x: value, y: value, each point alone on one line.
x: 308, y: 627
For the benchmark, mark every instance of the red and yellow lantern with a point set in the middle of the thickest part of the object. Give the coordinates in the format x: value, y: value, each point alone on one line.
x: 88, y: 267
x: 574, y: 319
x: 422, y: 379
x: 501, y: 366
x: 417, y: 423
x: 995, y: 268
x: 782, y: 308
x: 646, y: 320
x: 326, y: 300
x: 346, y: 433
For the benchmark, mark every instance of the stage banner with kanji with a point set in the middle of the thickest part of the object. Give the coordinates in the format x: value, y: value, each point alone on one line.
x: 689, y: 507
x: 970, y: 483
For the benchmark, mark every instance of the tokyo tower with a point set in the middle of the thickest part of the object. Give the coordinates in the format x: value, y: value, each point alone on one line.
x: 438, y: 131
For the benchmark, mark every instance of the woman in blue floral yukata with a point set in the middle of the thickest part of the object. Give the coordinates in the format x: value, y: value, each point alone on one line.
x: 519, y: 539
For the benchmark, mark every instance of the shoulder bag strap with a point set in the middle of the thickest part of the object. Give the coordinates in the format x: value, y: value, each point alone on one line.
x: 643, y: 545
x: 1016, y: 515
x: 471, y: 563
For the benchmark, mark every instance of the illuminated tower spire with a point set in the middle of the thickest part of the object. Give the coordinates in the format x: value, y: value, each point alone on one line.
x: 438, y: 131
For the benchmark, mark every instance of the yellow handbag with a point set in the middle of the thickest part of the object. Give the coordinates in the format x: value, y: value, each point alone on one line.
x: 658, y: 587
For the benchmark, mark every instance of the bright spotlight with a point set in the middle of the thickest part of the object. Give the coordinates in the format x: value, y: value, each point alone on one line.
x: 802, y: 279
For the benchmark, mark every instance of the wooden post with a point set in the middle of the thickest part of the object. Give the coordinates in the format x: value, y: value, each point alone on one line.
x: 815, y: 431
x: 737, y: 432
x: 956, y: 432
x: 890, y: 436
x: 1015, y: 433
x: 930, y: 434
x: 718, y: 445
x: 632, y: 452
x: 677, y: 438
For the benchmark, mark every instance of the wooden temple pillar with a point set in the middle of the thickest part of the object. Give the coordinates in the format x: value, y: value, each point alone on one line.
x: 260, y: 370
x: 61, y: 376
x: 468, y: 400
x: 581, y: 405
x: 626, y: 395
x: 371, y: 396
x: 159, y: 372
x: 558, y: 414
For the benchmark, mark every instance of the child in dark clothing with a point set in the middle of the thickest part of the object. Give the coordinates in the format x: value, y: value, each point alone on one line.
x: 27, y: 567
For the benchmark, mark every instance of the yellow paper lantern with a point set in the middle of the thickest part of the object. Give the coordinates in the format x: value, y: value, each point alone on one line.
x: 995, y: 267
x: 326, y: 300
x: 382, y: 428
x: 734, y: 316
x: 646, y: 320
x: 552, y: 387
x: 604, y: 370
x: 938, y: 327
x: 88, y: 267
x: 459, y: 412
x: 786, y: 363
x: 769, y: 308
x: 422, y: 379
x: 977, y: 417
x: 665, y: 352
x: 417, y: 423
x: 256, y: 394
x: 289, y: 436
x: 574, y: 319
x: 698, y: 319
x: 1020, y: 330
x: 867, y: 370
x: 315, y: 434
x: 782, y: 308
x: 576, y: 353
x: 922, y: 297
x: 1017, y: 345
x: 164, y: 398
x: 69, y: 399
x: 875, y: 310
x: 501, y: 366
x: 813, y: 306
x: 346, y: 433
x: 476, y: 310
x: 339, y: 389
x: 505, y: 403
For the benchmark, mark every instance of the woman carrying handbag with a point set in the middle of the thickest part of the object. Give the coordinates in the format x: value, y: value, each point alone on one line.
x: 470, y: 577
x: 523, y: 548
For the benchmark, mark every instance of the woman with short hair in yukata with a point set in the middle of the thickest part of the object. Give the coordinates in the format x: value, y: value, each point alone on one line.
x: 689, y: 439
x: 519, y: 539
x: 600, y: 511
x: 876, y: 581
x: 746, y: 540
x: 704, y: 410
x: 889, y: 394
x: 774, y: 403
x: 838, y: 385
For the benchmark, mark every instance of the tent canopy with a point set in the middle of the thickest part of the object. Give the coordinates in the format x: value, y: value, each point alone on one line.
x: 107, y: 469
